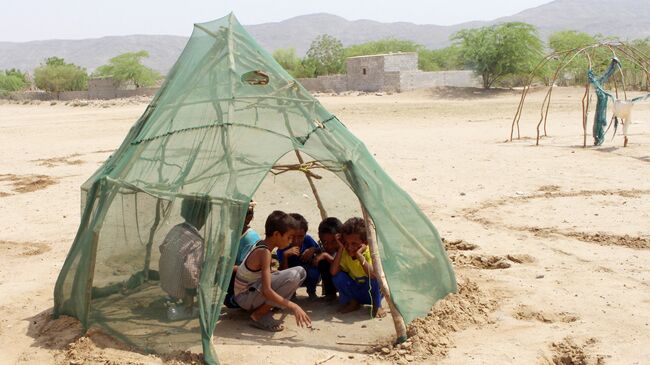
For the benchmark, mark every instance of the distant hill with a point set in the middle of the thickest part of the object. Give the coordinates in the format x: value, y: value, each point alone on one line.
x: 92, y: 53
x: 627, y: 19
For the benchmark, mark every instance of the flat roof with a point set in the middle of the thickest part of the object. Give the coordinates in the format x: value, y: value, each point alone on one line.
x: 386, y: 54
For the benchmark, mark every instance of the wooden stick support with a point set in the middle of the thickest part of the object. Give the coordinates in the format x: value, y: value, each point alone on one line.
x: 152, y: 233
x: 321, y: 209
x: 398, y: 321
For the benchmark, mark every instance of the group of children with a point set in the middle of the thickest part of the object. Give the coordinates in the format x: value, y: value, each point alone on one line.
x: 340, y: 260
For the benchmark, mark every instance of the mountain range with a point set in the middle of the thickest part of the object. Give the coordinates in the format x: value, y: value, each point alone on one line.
x: 626, y: 19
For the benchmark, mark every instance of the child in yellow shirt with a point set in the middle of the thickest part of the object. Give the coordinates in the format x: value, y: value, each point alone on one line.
x: 352, y: 270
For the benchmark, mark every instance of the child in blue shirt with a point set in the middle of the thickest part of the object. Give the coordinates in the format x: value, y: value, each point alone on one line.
x: 301, y: 252
x: 249, y: 237
x: 328, y: 231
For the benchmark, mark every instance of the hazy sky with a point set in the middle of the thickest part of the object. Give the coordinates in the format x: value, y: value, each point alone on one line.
x: 75, y: 19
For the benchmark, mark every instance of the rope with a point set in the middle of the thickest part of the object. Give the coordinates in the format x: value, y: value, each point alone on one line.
x: 305, y: 168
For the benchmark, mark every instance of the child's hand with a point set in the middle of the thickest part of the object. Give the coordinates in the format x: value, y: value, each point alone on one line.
x: 293, y: 251
x: 360, y: 251
x: 339, y: 240
x: 302, y: 319
x: 321, y: 257
x: 308, y: 254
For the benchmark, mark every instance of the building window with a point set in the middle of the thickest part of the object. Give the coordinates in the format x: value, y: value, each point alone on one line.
x: 363, y: 70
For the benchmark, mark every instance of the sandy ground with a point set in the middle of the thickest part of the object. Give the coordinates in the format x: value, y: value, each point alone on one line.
x: 550, y: 243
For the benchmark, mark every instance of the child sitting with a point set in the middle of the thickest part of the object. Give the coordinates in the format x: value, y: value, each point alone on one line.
x: 328, y: 229
x: 352, y: 270
x: 181, y: 257
x: 247, y: 241
x: 257, y: 289
x: 301, y: 253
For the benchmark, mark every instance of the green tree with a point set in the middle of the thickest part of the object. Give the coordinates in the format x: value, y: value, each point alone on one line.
x: 12, y: 80
x: 569, y: 39
x: 56, y: 76
x: 55, y: 61
x: 500, y: 50
x: 635, y: 76
x: 128, y: 67
x: 288, y: 59
x: 325, y: 55
x: 576, y: 69
x: 306, y: 68
x: 388, y: 45
x: 439, y: 59
x: 426, y: 59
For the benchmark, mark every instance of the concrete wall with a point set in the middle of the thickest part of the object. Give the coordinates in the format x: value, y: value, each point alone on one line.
x: 143, y: 91
x: 418, y: 79
x: 372, y: 79
x: 82, y: 95
x: 103, y: 88
x: 392, y: 82
x: 401, y: 62
x: 31, y: 95
x: 311, y: 84
x: 325, y: 84
x: 334, y: 83
x: 72, y: 95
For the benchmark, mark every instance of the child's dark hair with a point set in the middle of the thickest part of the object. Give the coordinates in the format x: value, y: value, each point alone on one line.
x: 330, y: 225
x: 279, y: 221
x: 302, y: 222
x: 355, y: 225
x: 195, y: 208
x: 251, y: 209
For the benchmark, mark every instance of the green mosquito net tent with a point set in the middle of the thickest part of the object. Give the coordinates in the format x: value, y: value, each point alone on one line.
x: 226, y: 114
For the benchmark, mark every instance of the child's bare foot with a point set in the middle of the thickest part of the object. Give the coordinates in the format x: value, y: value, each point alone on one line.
x: 350, y: 306
x: 378, y: 312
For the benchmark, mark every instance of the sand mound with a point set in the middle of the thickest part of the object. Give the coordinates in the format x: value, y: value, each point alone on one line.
x: 98, y: 348
x: 27, y: 183
x: 604, y: 239
x: 429, y: 337
x: 84, y: 351
x: 481, y: 261
x: 57, y: 161
x: 635, y: 242
x: 455, y: 247
x: 553, y: 192
x: 521, y: 258
x: 54, y: 333
x: 526, y: 313
x: 458, y: 245
x: 549, y: 188
x: 64, y: 336
x: 570, y: 352
x: 10, y: 248
x: 489, y: 262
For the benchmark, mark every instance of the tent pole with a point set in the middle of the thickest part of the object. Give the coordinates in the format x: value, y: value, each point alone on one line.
x: 152, y: 233
x: 398, y: 321
x: 321, y: 209
x: 323, y: 213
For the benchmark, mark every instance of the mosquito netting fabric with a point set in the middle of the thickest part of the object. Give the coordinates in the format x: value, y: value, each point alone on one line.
x: 226, y: 114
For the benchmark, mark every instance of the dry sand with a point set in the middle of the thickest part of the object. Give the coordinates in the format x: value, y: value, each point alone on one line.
x: 550, y: 244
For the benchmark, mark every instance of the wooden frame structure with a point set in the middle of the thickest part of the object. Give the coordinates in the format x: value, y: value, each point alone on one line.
x: 630, y: 54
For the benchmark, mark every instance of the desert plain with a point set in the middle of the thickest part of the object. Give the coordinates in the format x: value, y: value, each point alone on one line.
x: 550, y: 243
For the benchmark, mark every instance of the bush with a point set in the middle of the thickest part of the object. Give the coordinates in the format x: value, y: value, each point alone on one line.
x: 56, y: 76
